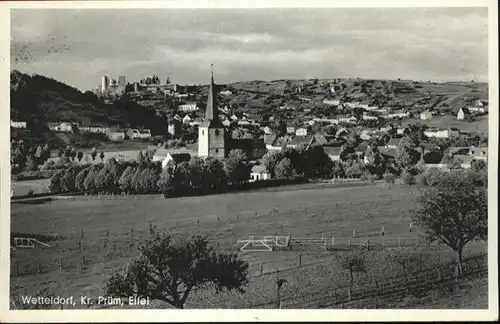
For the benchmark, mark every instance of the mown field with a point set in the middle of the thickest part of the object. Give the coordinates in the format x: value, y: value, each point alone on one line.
x: 480, y: 125
x: 101, y: 235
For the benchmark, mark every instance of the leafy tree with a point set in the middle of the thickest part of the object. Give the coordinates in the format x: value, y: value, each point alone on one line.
x: 389, y: 177
x: 408, y: 178
x: 68, y: 179
x: 270, y: 160
x: 79, y: 155
x: 89, y: 182
x: 166, y: 183
x: 102, y: 156
x: 125, y: 182
x: 140, y: 158
x: 80, y: 179
x: 55, y: 182
x: 284, y: 169
x: 338, y: 169
x: 214, y: 174
x: 454, y: 212
x: 168, y: 272
x: 237, y: 169
x: 406, y: 154
x: 31, y: 163
x: 93, y: 154
x: 353, y: 262
x: 105, y: 181
x: 478, y: 166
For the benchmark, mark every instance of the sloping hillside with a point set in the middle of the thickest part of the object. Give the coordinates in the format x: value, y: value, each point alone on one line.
x: 38, y: 100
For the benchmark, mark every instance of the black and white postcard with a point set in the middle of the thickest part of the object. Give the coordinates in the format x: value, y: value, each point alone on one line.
x: 253, y: 160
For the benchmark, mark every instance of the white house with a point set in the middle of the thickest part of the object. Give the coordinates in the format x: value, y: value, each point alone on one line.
x: 331, y: 102
x: 368, y: 117
x: 441, y: 133
x: 267, y: 130
x: 176, y: 158
x: 226, y: 93
x: 186, y: 119
x: 398, y: 115
x: 259, y: 172
x: 17, y: 124
x: 94, y: 129
x: 188, y: 107
x: 226, y: 123
x: 481, y: 110
x: 234, y: 117
x: 462, y: 113
x: 345, y: 119
x: 302, y: 131
x: 426, y: 115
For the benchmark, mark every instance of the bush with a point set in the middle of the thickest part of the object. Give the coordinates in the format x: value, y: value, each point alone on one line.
x: 389, y: 178
x: 408, y: 178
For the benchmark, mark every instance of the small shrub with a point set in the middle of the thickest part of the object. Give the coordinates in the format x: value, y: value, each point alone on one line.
x: 408, y: 178
x: 389, y: 178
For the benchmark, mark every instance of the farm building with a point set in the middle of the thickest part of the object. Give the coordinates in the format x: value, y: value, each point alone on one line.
x: 259, y: 172
x: 302, y: 131
x: 176, y: 159
x: 290, y: 128
x: 300, y: 140
x: 17, y: 124
x: 463, y: 113
x: 426, y: 115
x: 116, y: 135
x: 189, y: 106
x: 442, y: 133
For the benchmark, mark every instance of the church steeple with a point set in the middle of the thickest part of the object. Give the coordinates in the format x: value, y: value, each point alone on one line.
x: 212, y: 111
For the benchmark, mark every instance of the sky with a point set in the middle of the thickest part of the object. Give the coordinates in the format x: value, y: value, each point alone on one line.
x: 79, y: 46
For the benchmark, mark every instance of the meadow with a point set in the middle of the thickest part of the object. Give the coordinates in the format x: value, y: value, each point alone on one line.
x: 100, y: 236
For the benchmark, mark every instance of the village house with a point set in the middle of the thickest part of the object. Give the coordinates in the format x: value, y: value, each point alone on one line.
x: 187, y: 119
x: 480, y: 153
x: 333, y: 152
x: 395, y: 115
x: 393, y: 143
x: 369, y: 117
x: 175, y: 159
x: 290, y: 128
x: 188, y: 107
x: 226, y: 93
x: 300, y: 140
x: 258, y: 173
x: 463, y: 113
x: 94, y: 129
x: 403, y: 131
x: 177, y: 117
x: 341, y: 132
x: 174, y: 128
x: 371, y: 108
x: 302, y: 131
x: 196, y: 122
x: 64, y: 127
x: 347, y: 119
x: 426, y: 115
x: 331, y: 102
x: 442, y: 133
x: 116, y: 134
x: 134, y: 133
x: 267, y: 130
x: 17, y: 124
x: 226, y: 123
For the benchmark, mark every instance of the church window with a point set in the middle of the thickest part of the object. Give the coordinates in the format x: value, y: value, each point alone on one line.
x: 202, y: 132
x: 217, y: 132
x: 216, y: 150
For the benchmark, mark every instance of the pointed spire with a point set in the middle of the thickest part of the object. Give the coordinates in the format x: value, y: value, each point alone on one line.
x: 212, y: 112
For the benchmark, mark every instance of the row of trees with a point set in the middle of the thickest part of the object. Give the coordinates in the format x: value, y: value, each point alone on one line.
x: 143, y: 176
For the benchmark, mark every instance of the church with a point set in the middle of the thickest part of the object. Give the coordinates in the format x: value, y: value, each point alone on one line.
x: 211, y: 132
x: 213, y: 138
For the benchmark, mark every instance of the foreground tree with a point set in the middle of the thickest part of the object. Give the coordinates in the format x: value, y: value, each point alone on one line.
x: 454, y: 212
x: 353, y: 262
x: 168, y: 271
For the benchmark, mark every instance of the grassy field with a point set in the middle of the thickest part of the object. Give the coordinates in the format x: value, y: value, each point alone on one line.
x: 21, y: 188
x: 479, y: 126
x: 101, y: 236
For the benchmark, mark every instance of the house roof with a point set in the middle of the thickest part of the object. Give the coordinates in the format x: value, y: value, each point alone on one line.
x: 465, y: 111
x: 214, y: 123
x: 180, y: 157
x: 394, y: 141
x: 259, y: 169
x: 329, y: 150
x: 298, y: 140
x: 466, y: 159
x: 361, y: 147
x: 269, y: 139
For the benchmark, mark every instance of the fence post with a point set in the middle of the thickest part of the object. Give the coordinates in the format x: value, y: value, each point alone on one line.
x: 410, y: 226
x: 368, y: 244
x: 383, y: 231
x: 39, y: 267
x: 60, y: 263
x: 300, y: 259
x: 81, y: 235
x: 399, y: 242
x: 349, y: 242
x: 353, y: 233
x: 333, y: 241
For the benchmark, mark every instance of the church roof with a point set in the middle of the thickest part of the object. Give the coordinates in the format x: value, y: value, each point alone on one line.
x: 212, y: 112
x: 214, y: 123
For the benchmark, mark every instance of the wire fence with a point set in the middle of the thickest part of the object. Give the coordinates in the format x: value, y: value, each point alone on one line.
x: 375, y: 294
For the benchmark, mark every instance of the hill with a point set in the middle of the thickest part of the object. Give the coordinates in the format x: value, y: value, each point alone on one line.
x: 264, y: 97
x: 38, y: 100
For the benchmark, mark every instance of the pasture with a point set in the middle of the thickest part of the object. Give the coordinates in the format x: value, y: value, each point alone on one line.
x: 480, y: 125
x: 100, y: 236
x: 21, y: 188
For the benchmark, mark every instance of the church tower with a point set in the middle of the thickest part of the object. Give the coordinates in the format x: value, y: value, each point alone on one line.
x: 211, y: 132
